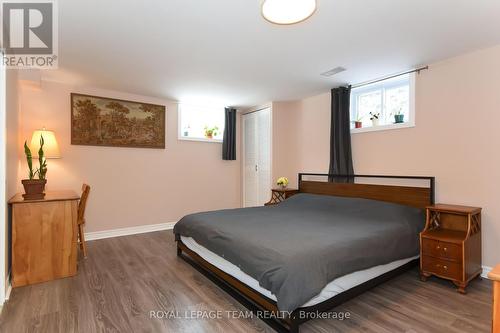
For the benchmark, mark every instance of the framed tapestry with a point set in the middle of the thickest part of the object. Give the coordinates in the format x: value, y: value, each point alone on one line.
x: 101, y: 121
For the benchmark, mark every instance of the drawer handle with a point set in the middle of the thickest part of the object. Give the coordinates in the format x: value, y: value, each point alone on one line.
x: 444, y: 266
x: 445, y: 249
x: 438, y: 247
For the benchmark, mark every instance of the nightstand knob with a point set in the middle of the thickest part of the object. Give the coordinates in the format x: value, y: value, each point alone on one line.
x: 445, y: 267
x: 438, y: 247
x: 445, y: 249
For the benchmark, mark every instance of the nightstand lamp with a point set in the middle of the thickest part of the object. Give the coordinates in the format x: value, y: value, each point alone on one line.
x: 50, y: 148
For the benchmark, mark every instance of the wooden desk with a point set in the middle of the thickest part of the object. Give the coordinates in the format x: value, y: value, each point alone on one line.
x: 44, y: 239
x: 495, y: 276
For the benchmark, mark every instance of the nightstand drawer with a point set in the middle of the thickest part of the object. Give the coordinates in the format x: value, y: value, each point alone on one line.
x: 443, y: 268
x: 439, y: 249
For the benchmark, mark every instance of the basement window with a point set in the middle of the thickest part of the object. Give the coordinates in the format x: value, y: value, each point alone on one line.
x: 384, y: 105
x: 201, y: 123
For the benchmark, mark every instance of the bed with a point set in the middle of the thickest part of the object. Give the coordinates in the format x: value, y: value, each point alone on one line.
x: 328, y: 243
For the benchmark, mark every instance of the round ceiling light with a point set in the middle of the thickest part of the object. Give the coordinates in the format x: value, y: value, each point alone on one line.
x: 288, y: 11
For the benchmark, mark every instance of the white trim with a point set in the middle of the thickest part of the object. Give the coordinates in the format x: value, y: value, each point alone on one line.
x: 9, y: 288
x: 486, y: 270
x: 90, y: 236
x: 192, y: 138
x: 382, y: 127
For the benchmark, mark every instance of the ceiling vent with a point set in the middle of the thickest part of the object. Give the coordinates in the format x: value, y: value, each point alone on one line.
x: 334, y: 71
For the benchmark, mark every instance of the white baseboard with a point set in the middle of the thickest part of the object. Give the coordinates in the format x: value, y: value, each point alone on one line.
x: 90, y: 236
x: 486, y: 270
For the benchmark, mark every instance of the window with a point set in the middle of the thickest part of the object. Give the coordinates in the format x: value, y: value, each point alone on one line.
x: 201, y: 123
x: 388, y: 104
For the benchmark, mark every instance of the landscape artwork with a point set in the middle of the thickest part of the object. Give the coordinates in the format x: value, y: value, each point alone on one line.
x: 101, y: 121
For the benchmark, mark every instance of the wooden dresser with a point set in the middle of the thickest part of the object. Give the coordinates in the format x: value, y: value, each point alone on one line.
x: 44, y: 237
x: 450, y: 245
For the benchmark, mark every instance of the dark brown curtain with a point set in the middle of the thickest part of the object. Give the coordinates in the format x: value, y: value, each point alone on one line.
x: 340, y: 136
x: 229, y: 139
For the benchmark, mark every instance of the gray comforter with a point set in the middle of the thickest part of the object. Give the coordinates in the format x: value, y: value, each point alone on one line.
x: 294, y: 249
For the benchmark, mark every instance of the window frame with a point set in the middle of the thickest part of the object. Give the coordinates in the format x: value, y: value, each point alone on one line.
x: 180, y: 137
x: 407, y: 124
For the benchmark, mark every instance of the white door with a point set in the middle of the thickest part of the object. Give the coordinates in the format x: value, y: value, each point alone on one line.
x: 257, y: 158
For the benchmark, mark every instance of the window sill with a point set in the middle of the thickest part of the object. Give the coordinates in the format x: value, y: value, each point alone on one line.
x: 382, y: 128
x: 200, y: 139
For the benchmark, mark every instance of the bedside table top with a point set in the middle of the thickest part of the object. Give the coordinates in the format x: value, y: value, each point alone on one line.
x: 285, y: 189
x: 49, y: 196
x: 457, y: 209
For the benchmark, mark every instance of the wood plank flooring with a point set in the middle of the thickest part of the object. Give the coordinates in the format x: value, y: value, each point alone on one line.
x: 125, y: 278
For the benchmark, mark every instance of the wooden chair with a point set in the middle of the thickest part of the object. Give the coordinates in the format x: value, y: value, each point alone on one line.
x: 81, y: 218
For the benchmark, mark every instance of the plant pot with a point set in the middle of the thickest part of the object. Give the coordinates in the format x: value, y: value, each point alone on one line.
x: 209, y: 136
x: 283, y: 187
x: 375, y: 122
x: 358, y: 124
x: 34, y: 188
x: 399, y: 118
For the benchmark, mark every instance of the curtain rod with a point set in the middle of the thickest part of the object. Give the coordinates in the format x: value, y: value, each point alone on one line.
x: 417, y: 70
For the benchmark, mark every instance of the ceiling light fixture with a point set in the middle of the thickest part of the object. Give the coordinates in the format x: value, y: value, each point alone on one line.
x: 288, y: 11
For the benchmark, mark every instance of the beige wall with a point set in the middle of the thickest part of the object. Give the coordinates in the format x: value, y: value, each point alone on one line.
x: 131, y: 186
x: 456, y: 138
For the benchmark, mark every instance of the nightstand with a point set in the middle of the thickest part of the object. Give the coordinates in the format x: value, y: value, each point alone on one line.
x: 280, y: 194
x: 450, y: 245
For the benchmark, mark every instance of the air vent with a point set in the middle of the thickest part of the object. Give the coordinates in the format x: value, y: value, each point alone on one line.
x: 334, y: 71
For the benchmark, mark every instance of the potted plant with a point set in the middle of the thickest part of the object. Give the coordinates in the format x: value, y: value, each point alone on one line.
x: 399, y: 117
x: 374, y: 117
x: 210, y: 132
x: 282, y: 182
x: 358, y: 123
x: 34, y: 188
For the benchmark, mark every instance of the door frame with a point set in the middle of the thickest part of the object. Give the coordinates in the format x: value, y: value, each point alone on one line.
x: 3, y: 178
x: 253, y: 110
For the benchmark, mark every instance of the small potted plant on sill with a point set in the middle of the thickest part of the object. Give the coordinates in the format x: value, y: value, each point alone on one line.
x: 399, y: 117
x: 210, y: 132
x: 34, y: 188
x: 282, y: 182
x: 358, y: 122
x: 374, y: 117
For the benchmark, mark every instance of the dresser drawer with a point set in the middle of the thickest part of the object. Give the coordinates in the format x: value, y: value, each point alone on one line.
x: 439, y: 249
x: 443, y: 268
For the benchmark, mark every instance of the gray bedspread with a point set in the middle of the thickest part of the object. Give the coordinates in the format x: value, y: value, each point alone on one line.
x: 294, y: 249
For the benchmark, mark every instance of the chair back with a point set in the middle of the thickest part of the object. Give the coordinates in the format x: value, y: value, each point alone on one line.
x: 83, y: 203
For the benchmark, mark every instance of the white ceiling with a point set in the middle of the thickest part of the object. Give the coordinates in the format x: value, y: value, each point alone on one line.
x: 223, y: 51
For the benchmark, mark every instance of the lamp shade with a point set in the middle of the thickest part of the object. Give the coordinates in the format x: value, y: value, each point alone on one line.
x: 50, y: 147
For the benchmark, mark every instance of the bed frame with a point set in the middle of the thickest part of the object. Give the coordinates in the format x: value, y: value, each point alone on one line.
x: 338, y: 185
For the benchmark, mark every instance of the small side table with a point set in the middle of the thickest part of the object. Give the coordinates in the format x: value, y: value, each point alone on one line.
x: 44, y: 237
x: 450, y: 245
x: 279, y: 194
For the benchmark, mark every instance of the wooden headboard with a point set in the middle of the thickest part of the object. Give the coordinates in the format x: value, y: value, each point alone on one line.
x: 415, y: 196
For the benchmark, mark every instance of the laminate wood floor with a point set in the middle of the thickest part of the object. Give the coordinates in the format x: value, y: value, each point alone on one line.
x: 125, y: 278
